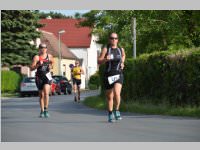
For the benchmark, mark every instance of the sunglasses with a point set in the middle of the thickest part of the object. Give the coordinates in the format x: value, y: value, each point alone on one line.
x: 113, y: 38
x: 42, y: 47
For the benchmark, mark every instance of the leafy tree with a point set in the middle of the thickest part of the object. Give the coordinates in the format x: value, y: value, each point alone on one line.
x: 77, y: 15
x: 43, y: 15
x: 18, y: 29
x: 157, y: 30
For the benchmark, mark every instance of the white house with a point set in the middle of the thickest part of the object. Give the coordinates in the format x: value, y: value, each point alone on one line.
x: 79, y: 40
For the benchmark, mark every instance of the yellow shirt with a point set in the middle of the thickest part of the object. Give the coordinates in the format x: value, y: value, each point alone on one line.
x: 75, y: 72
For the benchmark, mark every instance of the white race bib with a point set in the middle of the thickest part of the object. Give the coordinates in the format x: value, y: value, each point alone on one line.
x: 112, y: 79
x: 48, y: 75
x: 111, y: 56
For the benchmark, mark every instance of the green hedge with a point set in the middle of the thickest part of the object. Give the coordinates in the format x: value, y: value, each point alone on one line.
x: 94, y: 81
x: 166, y: 77
x: 10, y: 81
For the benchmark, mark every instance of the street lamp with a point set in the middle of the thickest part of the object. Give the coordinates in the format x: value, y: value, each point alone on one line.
x: 59, y: 44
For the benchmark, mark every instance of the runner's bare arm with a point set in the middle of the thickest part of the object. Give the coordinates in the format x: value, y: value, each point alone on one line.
x: 51, y: 61
x: 123, y: 55
x: 82, y: 71
x: 102, y: 58
x: 34, y: 64
x: 123, y: 58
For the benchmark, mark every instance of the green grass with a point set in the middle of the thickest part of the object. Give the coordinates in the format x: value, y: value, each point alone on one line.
x: 100, y: 103
x: 10, y: 94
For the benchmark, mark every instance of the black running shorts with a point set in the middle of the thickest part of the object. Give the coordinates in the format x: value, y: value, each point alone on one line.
x: 41, y: 81
x: 76, y: 81
x: 110, y: 86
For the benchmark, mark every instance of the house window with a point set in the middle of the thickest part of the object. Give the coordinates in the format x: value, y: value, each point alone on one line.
x: 64, y: 70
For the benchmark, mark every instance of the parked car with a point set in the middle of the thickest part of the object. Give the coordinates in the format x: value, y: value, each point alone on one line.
x: 65, y: 86
x: 28, y: 87
x: 55, y: 88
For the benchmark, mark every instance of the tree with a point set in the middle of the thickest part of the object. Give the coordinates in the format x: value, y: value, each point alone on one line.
x: 18, y: 29
x: 43, y: 15
x: 77, y: 15
x: 157, y: 30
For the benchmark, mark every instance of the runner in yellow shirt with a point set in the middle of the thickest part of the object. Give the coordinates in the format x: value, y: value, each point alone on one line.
x: 76, y: 77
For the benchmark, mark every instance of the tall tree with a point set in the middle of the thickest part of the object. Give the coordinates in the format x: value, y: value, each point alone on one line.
x: 18, y: 29
x: 157, y: 30
x: 53, y: 15
x: 77, y: 15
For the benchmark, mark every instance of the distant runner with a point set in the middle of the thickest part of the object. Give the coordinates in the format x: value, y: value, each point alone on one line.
x: 76, y: 78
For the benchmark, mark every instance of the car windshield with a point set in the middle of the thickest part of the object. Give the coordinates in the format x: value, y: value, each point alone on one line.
x: 58, y: 78
x: 29, y: 80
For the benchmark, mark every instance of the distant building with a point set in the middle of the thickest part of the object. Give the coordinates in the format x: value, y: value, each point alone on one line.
x: 79, y: 40
x: 53, y: 48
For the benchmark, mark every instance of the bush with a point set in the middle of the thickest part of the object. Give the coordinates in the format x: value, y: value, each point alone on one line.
x: 94, y: 81
x: 10, y: 81
x: 166, y: 77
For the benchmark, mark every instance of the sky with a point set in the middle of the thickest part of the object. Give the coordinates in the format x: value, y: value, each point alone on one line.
x: 66, y: 12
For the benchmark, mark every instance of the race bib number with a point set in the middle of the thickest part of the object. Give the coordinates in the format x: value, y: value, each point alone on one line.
x: 48, y: 75
x: 112, y: 79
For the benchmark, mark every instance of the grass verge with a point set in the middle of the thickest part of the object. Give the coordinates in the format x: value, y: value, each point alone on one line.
x: 10, y: 94
x: 100, y: 103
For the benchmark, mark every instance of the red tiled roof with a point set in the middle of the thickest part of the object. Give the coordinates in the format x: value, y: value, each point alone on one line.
x: 74, y: 36
x: 52, y: 45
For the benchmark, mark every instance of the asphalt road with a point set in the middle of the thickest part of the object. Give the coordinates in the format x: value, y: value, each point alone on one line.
x: 73, y: 122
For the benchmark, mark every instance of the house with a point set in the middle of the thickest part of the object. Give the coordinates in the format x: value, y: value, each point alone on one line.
x: 67, y: 57
x: 80, y: 41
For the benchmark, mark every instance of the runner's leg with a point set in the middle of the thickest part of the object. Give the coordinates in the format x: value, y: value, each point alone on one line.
x: 46, y: 90
x: 117, y: 97
x: 79, y: 92
x: 109, y: 96
x: 41, y: 100
x: 117, y: 100
x: 74, y: 89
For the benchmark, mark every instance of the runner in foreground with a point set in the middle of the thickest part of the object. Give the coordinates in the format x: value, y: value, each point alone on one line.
x: 114, y: 58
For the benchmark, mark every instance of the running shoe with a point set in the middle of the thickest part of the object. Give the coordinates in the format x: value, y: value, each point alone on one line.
x: 41, y: 114
x: 111, y: 118
x: 46, y: 114
x: 117, y: 115
x: 75, y: 99
x: 78, y: 99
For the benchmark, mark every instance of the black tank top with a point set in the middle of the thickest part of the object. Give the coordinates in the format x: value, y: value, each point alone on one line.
x: 44, y: 68
x: 114, y: 65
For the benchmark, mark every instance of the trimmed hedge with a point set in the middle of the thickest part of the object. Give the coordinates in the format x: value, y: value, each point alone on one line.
x: 94, y: 81
x: 10, y: 81
x: 168, y: 77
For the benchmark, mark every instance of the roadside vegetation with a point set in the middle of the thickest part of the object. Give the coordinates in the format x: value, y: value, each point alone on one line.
x: 99, y: 102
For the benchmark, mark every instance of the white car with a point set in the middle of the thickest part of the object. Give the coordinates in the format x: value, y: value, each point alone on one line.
x: 28, y: 87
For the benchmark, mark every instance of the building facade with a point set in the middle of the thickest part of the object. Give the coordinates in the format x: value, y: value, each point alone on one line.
x: 79, y: 40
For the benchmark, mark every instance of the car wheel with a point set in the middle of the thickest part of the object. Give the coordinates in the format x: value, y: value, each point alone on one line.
x: 65, y: 92
x: 59, y: 93
x: 22, y: 95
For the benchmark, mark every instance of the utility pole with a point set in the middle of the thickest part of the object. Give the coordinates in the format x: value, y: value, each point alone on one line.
x: 59, y: 46
x: 134, y: 36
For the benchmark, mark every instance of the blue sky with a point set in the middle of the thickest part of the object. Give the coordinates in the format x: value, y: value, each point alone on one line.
x: 67, y: 12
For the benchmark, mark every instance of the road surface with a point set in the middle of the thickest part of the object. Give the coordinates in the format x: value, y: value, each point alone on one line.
x: 73, y: 122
